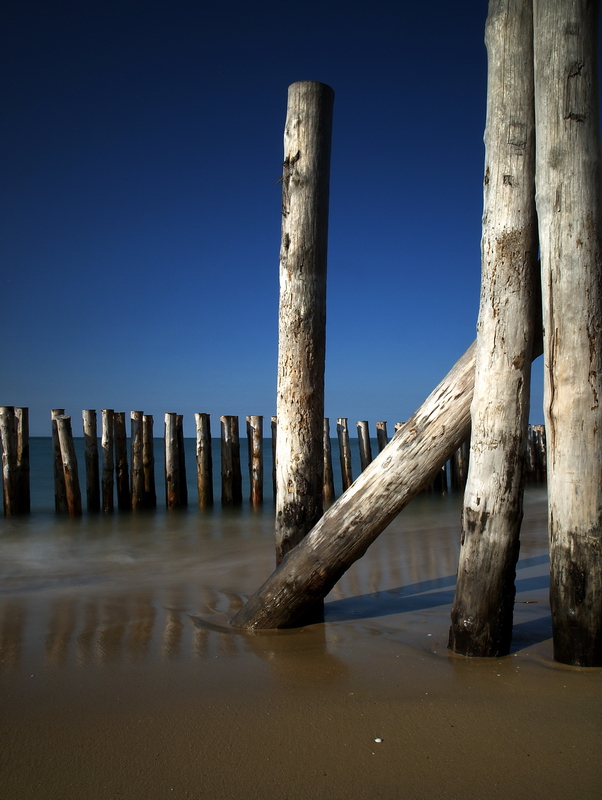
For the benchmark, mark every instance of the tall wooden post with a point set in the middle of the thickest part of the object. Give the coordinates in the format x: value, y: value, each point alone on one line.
x: 493, y: 499
x: 274, y: 426
x: 363, y: 441
x: 91, y: 460
x: 136, y: 466
x: 302, y: 313
x: 182, y: 459
x: 231, y: 474
x: 122, y: 477
x: 204, y: 460
x: 255, y: 446
x: 148, y: 461
x: 173, y: 477
x: 22, y: 432
x: 381, y: 436
x: 8, y: 437
x: 60, y: 497
x: 569, y: 206
x: 69, y: 461
x: 344, y: 452
x: 108, y: 462
x: 328, y: 492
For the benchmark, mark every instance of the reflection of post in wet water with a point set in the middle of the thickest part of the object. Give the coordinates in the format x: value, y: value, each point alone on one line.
x: 174, y: 626
x: 61, y: 627
x: 12, y: 625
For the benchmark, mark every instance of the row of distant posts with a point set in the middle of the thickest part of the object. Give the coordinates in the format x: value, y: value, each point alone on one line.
x: 108, y: 473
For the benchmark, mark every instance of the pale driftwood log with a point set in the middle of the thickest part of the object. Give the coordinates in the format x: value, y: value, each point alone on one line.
x: 22, y: 432
x: 69, y: 462
x: 406, y: 465
x: 148, y: 461
x: 381, y: 435
x: 302, y: 312
x: 89, y: 424
x: 204, y: 460
x: 60, y: 496
x: 363, y: 441
x: 182, y: 457
x: 173, y: 493
x: 344, y: 453
x: 122, y: 475
x: 255, y: 451
x: 8, y: 437
x: 483, y: 606
x: 108, y: 460
x: 569, y: 200
x: 328, y: 491
x: 136, y: 465
x: 231, y: 474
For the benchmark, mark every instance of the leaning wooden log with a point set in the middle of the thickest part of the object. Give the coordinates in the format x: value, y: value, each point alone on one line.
x: 148, y: 461
x: 363, y: 441
x: 255, y: 460
x: 204, y: 460
x: 406, y: 465
x: 302, y: 312
x: 91, y: 460
x: 482, y: 611
x: 108, y: 461
x: 381, y: 435
x: 23, y: 488
x: 60, y: 495
x: 69, y: 461
x: 328, y: 490
x: 8, y: 437
x: 136, y: 465
x: 344, y: 453
x: 231, y: 473
x: 122, y: 475
x: 569, y: 207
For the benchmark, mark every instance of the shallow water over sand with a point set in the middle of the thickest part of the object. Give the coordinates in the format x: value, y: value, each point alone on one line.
x: 120, y: 677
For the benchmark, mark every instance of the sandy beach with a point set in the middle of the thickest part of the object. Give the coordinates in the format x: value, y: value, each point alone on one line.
x: 122, y: 679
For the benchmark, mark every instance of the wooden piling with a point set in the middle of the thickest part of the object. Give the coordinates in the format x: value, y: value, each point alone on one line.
x: 569, y: 207
x: 381, y: 436
x: 91, y: 460
x: 60, y: 494
x: 173, y: 495
x: 148, y: 461
x: 182, y: 460
x: 459, y: 467
x: 363, y: 441
x: 8, y: 437
x: 344, y: 452
x: 122, y: 475
x: 482, y: 612
x: 328, y: 492
x: 231, y: 473
x: 274, y: 426
x: 302, y: 312
x: 255, y: 447
x: 22, y: 431
x: 108, y: 461
x: 136, y: 465
x: 69, y: 462
x: 204, y: 460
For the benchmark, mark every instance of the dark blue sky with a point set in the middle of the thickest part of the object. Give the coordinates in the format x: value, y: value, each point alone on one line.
x: 142, y: 147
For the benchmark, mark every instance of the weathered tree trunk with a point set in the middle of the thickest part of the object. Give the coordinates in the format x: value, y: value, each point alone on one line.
x: 204, y: 460
x: 343, y: 534
x: 328, y: 491
x: 302, y: 313
x: 148, y: 461
x: 69, y: 461
x: 22, y: 431
x: 344, y: 453
x: 363, y: 440
x: 136, y: 464
x: 255, y: 446
x: 381, y: 436
x: 231, y: 474
x: 124, y: 498
x: 108, y: 462
x: 60, y: 496
x: 91, y: 460
x: 569, y: 207
x: 493, y: 498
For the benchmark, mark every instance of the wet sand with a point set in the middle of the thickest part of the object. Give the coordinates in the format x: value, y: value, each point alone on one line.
x: 121, y: 679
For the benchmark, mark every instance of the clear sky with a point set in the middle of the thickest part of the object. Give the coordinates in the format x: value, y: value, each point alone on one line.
x: 142, y: 147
